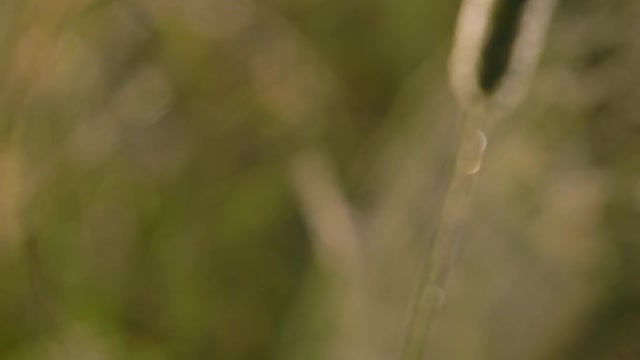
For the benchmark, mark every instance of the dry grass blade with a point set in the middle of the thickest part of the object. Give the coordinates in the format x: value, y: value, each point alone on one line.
x: 496, y: 48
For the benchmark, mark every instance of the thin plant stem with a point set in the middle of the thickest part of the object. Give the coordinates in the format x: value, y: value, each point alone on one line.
x: 461, y: 172
x: 496, y: 48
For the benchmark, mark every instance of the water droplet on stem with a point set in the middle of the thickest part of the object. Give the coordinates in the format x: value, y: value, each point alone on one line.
x: 471, y: 151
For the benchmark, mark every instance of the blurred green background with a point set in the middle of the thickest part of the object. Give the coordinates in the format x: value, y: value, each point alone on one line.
x: 161, y: 162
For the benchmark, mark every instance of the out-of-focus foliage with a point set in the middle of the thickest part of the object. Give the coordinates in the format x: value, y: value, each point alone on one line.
x: 150, y: 151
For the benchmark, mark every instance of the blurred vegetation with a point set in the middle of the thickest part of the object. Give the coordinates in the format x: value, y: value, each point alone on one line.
x: 159, y: 161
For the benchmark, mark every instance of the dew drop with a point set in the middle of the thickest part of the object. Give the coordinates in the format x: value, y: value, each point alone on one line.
x: 471, y: 152
x: 433, y: 295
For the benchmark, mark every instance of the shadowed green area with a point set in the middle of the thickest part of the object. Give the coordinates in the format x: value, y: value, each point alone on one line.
x: 495, y: 56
